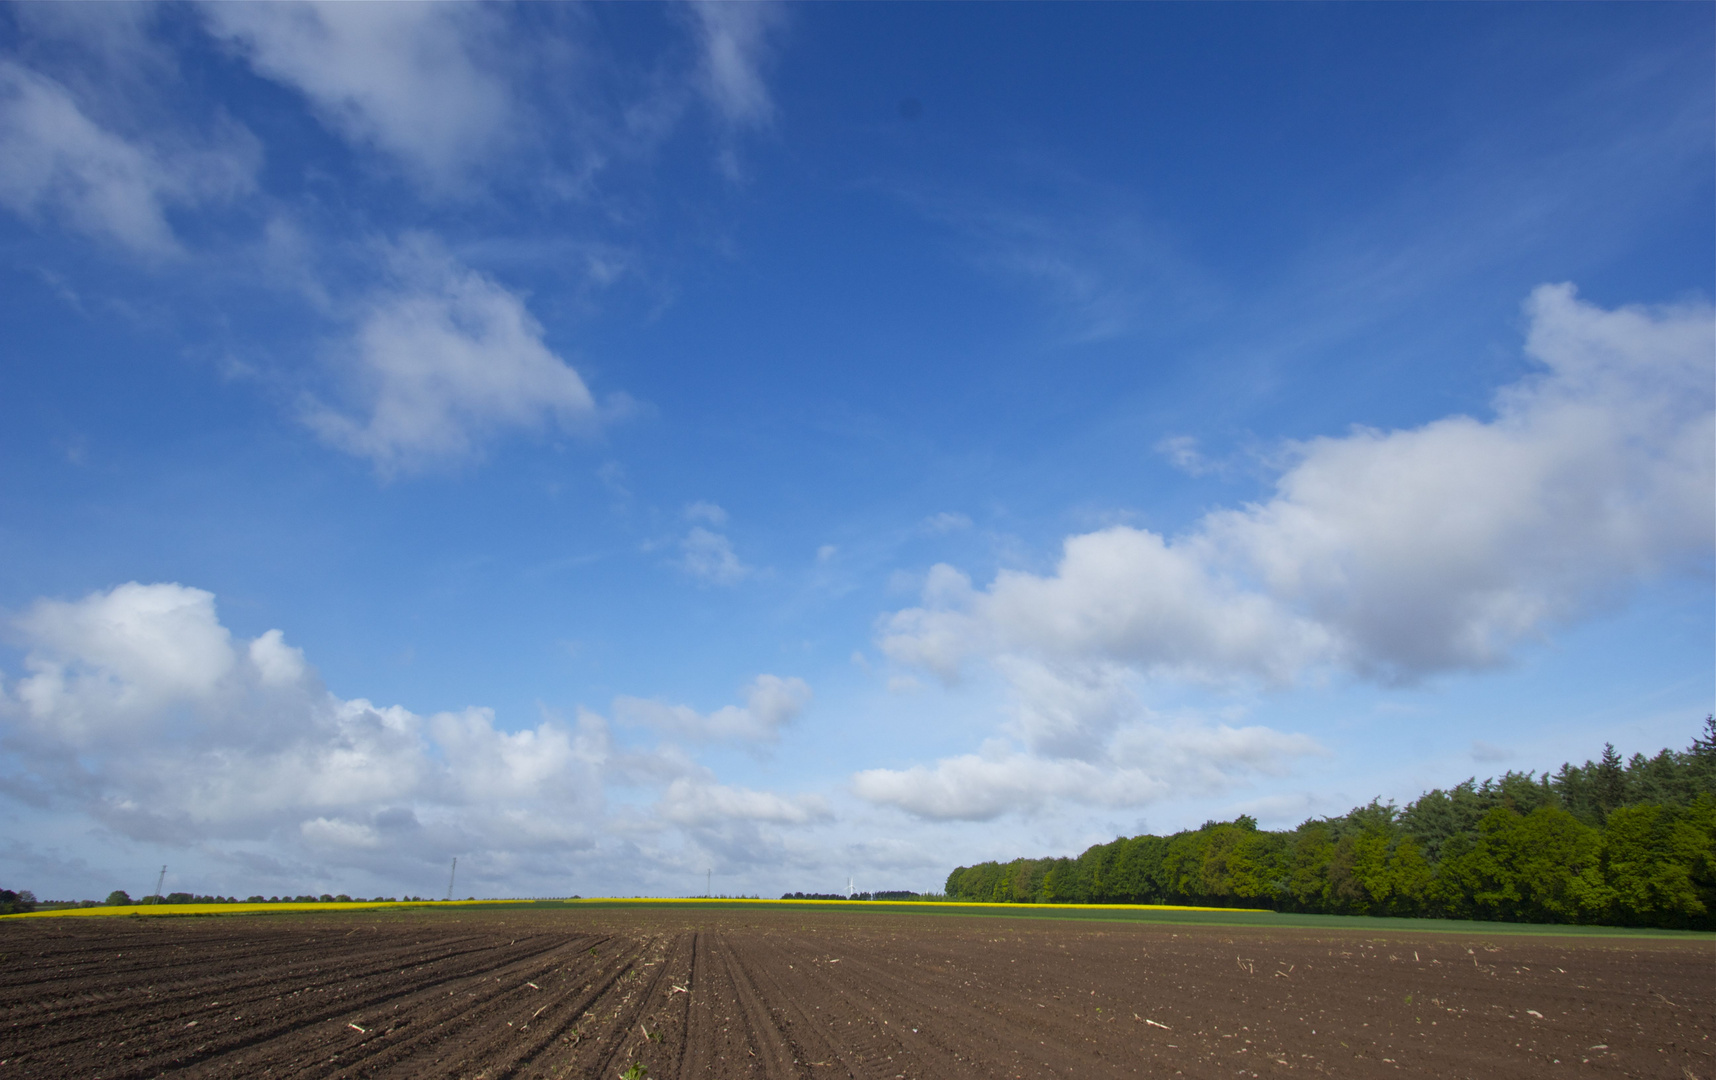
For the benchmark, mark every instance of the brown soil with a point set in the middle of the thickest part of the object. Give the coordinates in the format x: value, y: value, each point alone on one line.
x: 789, y: 992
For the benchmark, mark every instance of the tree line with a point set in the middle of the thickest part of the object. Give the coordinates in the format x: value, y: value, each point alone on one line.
x: 1613, y: 842
x: 16, y: 902
x: 884, y: 894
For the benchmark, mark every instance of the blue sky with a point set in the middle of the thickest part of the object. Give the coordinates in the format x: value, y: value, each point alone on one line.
x: 809, y: 443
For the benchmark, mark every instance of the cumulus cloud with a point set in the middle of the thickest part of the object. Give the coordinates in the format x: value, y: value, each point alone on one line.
x: 709, y: 557
x: 139, y: 705
x: 140, y: 710
x: 771, y: 703
x: 441, y: 361
x: 1141, y: 763
x: 57, y: 160
x: 1443, y: 547
x: 1388, y: 555
x: 103, y: 665
x: 976, y: 787
x: 1393, y: 554
x: 419, y: 82
x: 690, y: 802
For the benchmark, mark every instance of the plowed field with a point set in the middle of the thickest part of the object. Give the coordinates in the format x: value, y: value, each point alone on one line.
x: 786, y: 992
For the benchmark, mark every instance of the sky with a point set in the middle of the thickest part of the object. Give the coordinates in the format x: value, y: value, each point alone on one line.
x: 641, y: 449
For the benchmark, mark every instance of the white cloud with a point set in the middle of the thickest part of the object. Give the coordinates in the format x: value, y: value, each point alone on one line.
x: 447, y: 91
x: 1066, y: 710
x: 442, y: 361
x: 708, y: 556
x: 140, y: 707
x: 101, y: 664
x: 973, y: 787
x: 1396, y: 554
x: 690, y: 802
x: 145, y: 715
x: 1443, y: 547
x: 1183, y: 453
x: 1146, y: 762
x: 420, y: 82
x: 771, y: 703
x: 1390, y: 555
x: 706, y: 512
x: 324, y: 832
x: 734, y: 48
x: 57, y: 160
x: 946, y: 522
x: 277, y: 663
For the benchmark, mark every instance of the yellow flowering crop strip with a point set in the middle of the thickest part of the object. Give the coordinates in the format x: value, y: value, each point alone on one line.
x: 366, y: 905
x: 247, y: 909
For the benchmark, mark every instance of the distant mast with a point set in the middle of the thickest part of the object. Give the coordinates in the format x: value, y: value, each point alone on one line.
x: 450, y: 875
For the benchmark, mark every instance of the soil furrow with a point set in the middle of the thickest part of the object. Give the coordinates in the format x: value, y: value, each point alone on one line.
x: 630, y: 1015
x: 794, y: 992
x: 769, y: 1038
x: 192, y: 1002
x: 438, y: 1018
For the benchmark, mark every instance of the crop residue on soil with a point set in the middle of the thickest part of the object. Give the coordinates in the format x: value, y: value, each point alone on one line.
x: 655, y: 993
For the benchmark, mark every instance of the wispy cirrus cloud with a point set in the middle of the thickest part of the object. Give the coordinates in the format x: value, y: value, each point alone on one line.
x: 706, y: 554
x: 442, y: 360
x: 1102, y: 264
x: 59, y: 162
x: 735, y: 46
x: 421, y: 83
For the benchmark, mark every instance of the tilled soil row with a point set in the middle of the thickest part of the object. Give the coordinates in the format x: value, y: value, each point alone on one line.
x: 779, y: 993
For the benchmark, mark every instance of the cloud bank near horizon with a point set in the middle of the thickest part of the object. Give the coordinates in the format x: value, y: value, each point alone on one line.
x: 142, y: 711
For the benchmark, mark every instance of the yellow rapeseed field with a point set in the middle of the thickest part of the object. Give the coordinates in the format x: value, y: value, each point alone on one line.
x: 367, y: 905
x: 243, y: 909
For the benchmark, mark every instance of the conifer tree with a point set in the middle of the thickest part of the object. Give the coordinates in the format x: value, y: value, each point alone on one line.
x: 1611, y: 780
